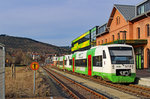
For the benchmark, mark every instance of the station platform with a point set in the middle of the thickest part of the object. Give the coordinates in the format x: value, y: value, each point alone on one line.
x: 143, y: 77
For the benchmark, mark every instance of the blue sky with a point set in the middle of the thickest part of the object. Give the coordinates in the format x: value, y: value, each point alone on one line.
x: 56, y: 22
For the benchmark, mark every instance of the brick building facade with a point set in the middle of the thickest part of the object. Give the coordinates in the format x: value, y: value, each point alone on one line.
x: 130, y: 24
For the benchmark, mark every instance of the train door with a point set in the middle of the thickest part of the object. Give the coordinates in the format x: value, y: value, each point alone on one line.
x: 89, y: 65
x: 73, y: 65
x: 63, y: 63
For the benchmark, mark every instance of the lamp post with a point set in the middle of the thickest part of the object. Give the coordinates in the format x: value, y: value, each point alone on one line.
x: 124, y: 35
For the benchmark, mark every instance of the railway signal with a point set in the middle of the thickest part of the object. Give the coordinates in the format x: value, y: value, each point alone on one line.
x: 34, y: 66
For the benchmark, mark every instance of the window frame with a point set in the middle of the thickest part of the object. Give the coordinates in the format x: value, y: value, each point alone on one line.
x: 118, y: 36
x: 98, y: 59
x: 138, y: 33
x: 148, y: 29
x: 79, y: 63
x: 113, y: 37
x: 117, y: 20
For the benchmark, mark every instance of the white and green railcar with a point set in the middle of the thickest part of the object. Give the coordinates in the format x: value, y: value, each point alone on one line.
x: 61, y: 62
x: 68, y: 62
x: 79, y: 62
x: 115, y: 63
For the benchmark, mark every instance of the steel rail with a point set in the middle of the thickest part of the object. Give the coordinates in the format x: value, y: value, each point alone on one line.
x: 118, y: 86
x: 87, y: 89
x: 68, y: 90
x: 139, y: 87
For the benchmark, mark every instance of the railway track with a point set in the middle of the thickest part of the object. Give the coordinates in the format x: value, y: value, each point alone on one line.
x: 75, y: 89
x: 136, y: 90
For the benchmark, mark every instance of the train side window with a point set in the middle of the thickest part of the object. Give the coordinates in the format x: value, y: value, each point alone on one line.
x: 97, y: 61
x: 70, y: 61
x: 81, y: 63
x: 104, y: 54
x: 61, y: 63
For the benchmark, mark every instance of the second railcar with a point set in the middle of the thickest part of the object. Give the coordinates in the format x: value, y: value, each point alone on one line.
x: 68, y: 62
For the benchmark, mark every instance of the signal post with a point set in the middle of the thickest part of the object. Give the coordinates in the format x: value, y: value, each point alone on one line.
x: 34, y: 66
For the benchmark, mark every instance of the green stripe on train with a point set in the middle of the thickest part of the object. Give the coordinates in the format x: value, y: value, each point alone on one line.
x: 69, y: 69
x: 115, y: 79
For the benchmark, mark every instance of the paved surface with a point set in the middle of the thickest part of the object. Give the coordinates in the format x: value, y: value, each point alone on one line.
x: 143, y: 77
x: 103, y: 89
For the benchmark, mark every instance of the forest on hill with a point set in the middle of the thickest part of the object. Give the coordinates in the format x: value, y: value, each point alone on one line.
x: 23, y: 48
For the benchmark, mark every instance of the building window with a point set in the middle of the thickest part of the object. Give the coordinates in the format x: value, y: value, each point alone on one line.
x: 118, y: 36
x: 106, y: 40
x: 138, y: 30
x: 102, y: 42
x: 113, y: 37
x: 140, y: 9
x: 143, y: 7
x: 98, y: 42
x: 148, y: 30
x: 102, y: 29
x: 118, y: 20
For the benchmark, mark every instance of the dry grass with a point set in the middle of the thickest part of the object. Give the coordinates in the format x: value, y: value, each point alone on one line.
x: 22, y: 85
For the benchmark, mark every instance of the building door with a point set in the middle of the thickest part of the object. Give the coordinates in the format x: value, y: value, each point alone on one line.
x: 138, y: 61
x: 148, y: 58
x: 139, y: 58
x: 73, y: 65
x: 89, y: 65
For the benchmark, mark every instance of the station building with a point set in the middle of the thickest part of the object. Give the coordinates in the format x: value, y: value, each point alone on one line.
x: 129, y: 24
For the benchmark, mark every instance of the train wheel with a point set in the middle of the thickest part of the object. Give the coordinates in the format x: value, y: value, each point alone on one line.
x: 100, y: 78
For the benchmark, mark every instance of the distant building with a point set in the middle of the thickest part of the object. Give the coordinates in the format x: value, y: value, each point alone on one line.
x: 85, y: 41
x: 35, y: 56
x: 93, y: 33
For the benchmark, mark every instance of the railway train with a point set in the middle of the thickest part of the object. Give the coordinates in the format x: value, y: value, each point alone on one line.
x: 115, y: 62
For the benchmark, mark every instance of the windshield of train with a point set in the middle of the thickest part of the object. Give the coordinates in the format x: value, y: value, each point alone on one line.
x: 121, y: 55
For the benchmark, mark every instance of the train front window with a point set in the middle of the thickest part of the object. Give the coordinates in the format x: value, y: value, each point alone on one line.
x: 121, y: 55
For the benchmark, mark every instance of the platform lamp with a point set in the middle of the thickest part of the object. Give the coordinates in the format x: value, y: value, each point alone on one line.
x: 124, y: 36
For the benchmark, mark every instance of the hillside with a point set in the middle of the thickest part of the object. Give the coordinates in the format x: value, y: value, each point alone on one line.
x: 20, y: 50
x: 29, y: 45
